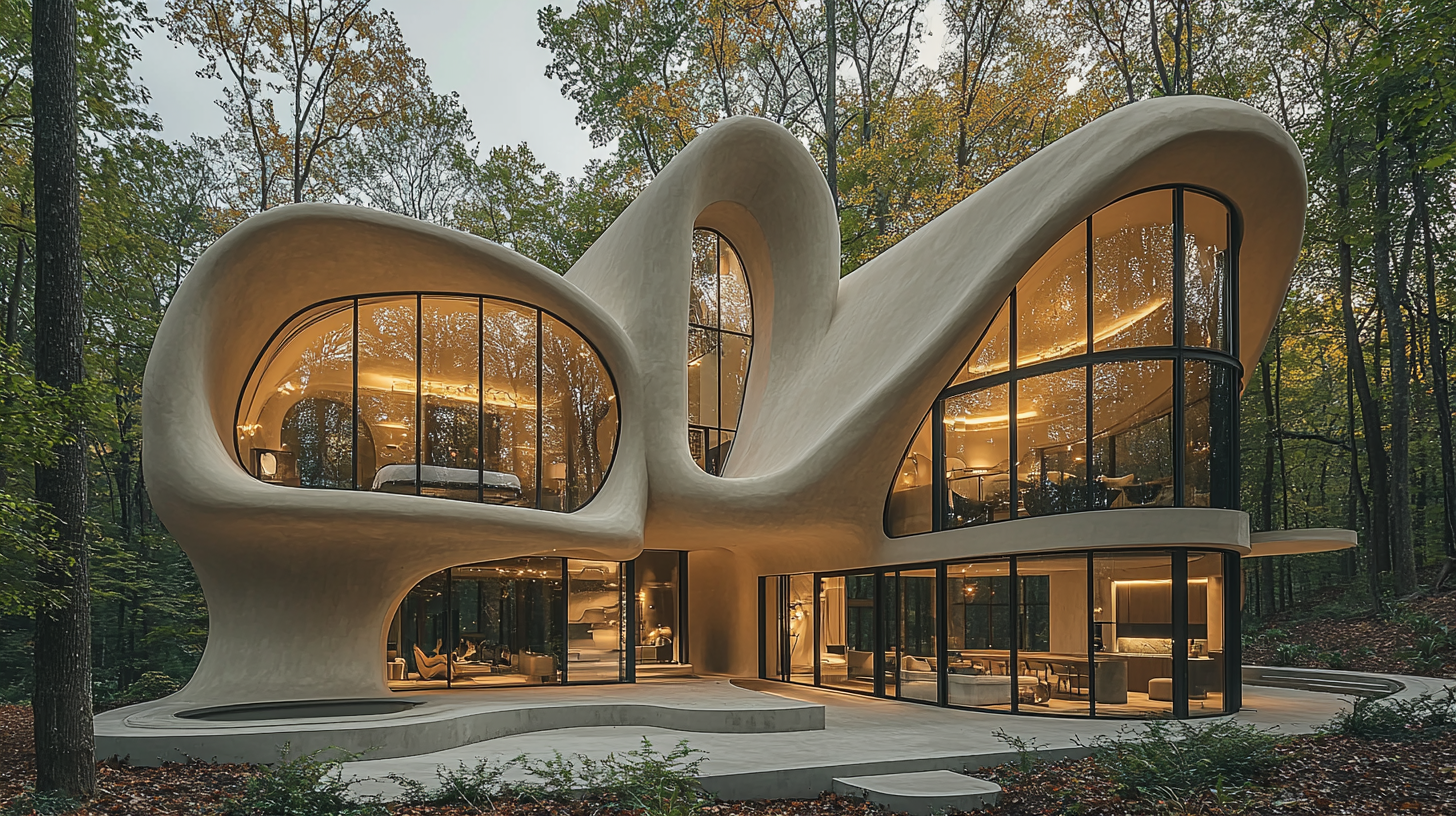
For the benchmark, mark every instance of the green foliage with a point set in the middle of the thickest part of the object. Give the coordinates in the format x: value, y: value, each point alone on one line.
x: 45, y: 803
x: 1292, y: 654
x: 642, y: 779
x: 477, y: 786
x: 1186, y: 758
x: 306, y: 785
x: 1425, y: 717
x: 1027, y: 749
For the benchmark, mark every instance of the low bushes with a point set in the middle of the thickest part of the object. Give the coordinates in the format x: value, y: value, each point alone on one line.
x: 1425, y: 717
x: 1185, y: 758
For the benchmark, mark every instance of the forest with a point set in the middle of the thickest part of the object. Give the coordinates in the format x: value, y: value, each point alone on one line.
x: 908, y: 105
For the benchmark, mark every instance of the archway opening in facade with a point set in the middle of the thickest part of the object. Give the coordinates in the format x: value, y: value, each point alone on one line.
x: 720, y: 345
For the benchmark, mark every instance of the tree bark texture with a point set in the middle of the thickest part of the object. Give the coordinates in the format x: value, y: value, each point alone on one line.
x: 1439, y: 378
x: 1389, y: 291
x: 1378, y: 534
x: 64, y: 739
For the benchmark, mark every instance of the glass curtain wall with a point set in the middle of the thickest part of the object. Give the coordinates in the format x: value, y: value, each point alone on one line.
x: 455, y: 397
x: 720, y: 343
x: 1112, y: 634
x: 1108, y: 379
x: 522, y: 621
x: 660, y: 621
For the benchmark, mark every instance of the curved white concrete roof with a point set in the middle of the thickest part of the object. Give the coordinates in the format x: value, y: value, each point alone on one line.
x: 842, y: 373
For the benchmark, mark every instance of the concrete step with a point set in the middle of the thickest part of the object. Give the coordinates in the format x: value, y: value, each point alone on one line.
x: 922, y: 793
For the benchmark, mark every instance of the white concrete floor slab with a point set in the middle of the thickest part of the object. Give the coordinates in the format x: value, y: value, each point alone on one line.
x: 861, y: 736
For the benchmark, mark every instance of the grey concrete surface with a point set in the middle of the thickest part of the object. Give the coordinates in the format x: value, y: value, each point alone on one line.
x: 150, y: 733
x: 921, y: 793
x: 861, y: 736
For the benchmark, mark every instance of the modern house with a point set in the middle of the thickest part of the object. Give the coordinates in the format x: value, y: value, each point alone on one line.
x: 995, y: 467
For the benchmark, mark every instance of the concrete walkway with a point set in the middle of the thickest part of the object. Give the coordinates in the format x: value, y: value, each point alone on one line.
x: 861, y: 736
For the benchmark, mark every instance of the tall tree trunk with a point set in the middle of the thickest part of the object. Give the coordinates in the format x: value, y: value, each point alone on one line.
x: 1390, y: 291
x: 1378, y: 537
x: 64, y: 740
x: 831, y: 84
x: 1266, y: 491
x: 1440, y: 380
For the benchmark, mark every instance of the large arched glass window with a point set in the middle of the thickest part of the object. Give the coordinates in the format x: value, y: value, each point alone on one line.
x: 456, y: 397
x: 720, y: 343
x: 1108, y: 379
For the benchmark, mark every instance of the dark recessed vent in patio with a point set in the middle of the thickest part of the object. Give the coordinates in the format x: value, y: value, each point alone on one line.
x: 298, y: 710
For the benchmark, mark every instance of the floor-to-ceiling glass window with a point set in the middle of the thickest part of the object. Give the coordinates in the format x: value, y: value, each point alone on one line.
x: 847, y: 632
x: 911, y: 635
x: 1133, y: 597
x: 488, y: 624
x: 660, y: 618
x: 980, y: 606
x: 801, y: 649
x: 1107, y: 379
x: 720, y: 343
x: 1128, y: 633
x: 595, y: 616
x: 457, y: 397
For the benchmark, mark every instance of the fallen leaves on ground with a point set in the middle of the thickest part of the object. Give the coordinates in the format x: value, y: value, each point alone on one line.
x: 1321, y: 775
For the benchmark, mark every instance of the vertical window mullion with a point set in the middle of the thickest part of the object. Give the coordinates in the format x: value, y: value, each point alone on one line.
x: 1013, y: 668
x: 1014, y: 489
x: 1091, y: 639
x: 1179, y: 381
x: 942, y: 630
x: 1180, y: 633
x: 937, y: 466
x: 480, y: 400
x: 1090, y: 500
x: 419, y: 390
x: 354, y: 445
x: 718, y: 342
x: 540, y: 414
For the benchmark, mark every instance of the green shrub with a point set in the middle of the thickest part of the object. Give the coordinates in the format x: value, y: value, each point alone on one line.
x: 1027, y: 749
x: 1425, y: 717
x: 476, y: 786
x: 31, y: 803
x: 1290, y: 654
x: 304, y: 786
x: 1186, y: 759
x: 641, y: 779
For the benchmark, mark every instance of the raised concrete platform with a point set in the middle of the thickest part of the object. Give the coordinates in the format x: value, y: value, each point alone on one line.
x: 153, y: 733
x: 862, y: 736
x: 921, y: 794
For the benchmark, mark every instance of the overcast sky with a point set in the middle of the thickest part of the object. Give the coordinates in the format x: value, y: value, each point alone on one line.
x: 483, y: 49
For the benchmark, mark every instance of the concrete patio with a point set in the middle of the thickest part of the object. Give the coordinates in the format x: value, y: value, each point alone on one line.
x: 861, y: 736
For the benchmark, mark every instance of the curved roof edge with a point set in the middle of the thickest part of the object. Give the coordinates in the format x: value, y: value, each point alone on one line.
x: 1300, y: 542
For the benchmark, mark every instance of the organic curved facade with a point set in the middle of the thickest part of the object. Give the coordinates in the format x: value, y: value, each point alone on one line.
x: 784, y: 559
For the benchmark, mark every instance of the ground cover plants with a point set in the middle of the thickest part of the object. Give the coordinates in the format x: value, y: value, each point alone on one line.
x: 1381, y: 757
x: 1413, y: 637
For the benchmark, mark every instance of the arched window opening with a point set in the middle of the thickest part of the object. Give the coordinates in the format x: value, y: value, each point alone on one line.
x: 1106, y: 380
x: 720, y: 344
x: 454, y: 397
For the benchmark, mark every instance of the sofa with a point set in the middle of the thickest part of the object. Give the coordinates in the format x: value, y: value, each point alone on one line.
x: 965, y: 689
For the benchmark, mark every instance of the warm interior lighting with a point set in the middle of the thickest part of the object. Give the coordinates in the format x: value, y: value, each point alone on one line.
x: 973, y: 421
x: 1153, y: 581
x: 1115, y: 328
x: 465, y: 393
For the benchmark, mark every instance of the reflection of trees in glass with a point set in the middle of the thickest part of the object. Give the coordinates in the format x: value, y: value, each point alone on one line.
x: 508, y: 354
x: 479, y: 361
x: 720, y: 343
x: 1132, y: 272
x: 579, y: 421
x: 315, y: 359
x: 319, y: 433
